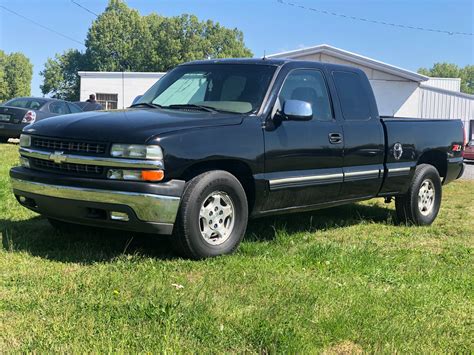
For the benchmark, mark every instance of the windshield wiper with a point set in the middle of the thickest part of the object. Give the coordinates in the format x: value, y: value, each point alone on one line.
x: 147, y: 104
x: 190, y: 106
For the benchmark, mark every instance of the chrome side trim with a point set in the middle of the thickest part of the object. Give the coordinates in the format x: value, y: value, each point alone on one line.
x: 361, y: 175
x: 299, y: 180
x: 403, y: 171
x: 147, y: 207
x: 93, y: 160
x: 455, y: 160
x: 399, y: 170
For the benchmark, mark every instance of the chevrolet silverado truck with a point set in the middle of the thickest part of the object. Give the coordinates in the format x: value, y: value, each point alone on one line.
x: 214, y: 143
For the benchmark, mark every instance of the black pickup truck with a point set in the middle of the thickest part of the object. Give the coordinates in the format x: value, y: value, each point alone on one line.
x: 215, y: 142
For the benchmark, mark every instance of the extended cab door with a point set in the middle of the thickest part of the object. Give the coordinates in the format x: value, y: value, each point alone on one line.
x: 363, y: 135
x: 303, y: 159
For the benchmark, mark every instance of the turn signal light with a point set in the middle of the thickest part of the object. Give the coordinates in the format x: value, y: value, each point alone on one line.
x: 153, y: 175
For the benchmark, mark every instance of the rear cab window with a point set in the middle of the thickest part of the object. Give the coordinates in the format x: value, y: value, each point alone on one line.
x: 352, y: 96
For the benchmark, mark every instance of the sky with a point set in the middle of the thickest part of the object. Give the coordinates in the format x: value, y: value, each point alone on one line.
x: 268, y: 26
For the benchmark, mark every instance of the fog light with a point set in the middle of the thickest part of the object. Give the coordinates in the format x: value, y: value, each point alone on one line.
x: 119, y: 216
x: 24, y: 162
x: 136, y: 175
x: 22, y: 199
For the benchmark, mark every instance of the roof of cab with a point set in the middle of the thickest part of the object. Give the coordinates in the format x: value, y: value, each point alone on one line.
x: 274, y: 62
x: 261, y: 61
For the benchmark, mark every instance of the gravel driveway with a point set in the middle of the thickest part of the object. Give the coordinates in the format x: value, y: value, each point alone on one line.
x: 468, y: 170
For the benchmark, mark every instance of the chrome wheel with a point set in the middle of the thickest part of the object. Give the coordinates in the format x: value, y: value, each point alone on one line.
x: 216, y: 218
x: 426, y: 197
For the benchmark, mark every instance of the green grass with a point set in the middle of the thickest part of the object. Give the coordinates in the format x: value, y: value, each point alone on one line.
x: 345, y: 279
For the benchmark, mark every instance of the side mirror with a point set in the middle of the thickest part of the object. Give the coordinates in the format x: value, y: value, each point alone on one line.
x: 136, y: 99
x: 297, y: 110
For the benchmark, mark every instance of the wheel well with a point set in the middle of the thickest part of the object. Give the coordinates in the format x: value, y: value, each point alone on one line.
x: 436, y: 158
x: 239, y: 169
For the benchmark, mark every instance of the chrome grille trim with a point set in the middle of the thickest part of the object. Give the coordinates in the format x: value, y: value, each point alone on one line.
x: 93, y: 160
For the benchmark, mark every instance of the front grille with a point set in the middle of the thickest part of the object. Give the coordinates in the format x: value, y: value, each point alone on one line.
x: 67, y: 168
x: 68, y: 146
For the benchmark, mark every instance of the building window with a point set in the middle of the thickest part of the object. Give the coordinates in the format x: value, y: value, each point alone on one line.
x: 108, y: 101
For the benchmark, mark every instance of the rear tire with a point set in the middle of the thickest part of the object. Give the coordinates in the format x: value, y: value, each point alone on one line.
x: 212, y: 217
x: 421, y: 204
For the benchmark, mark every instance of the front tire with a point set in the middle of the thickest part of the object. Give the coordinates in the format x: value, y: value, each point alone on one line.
x: 212, y: 217
x: 421, y: 204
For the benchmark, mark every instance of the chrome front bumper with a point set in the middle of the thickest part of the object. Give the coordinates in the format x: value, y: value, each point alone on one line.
x: 147, y: 207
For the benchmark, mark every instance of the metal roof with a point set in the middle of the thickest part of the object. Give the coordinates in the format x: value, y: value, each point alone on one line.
x: 352, y: 57
x: 119, y: 74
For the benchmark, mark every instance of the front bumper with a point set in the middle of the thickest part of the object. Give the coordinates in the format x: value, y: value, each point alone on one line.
x: 150, y: 208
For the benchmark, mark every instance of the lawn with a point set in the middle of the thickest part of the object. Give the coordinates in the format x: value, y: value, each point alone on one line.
x: 346, y: 279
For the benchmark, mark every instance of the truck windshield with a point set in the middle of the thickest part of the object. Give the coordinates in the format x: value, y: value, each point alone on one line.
x: 238, y: 88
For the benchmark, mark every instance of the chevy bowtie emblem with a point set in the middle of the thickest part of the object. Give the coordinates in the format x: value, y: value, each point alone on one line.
x: 58, y: 157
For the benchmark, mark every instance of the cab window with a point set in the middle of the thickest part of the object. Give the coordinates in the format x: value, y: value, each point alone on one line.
x: 352, y: 96
x: 308, y: 85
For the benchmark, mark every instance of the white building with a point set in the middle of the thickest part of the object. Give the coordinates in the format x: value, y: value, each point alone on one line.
x: 398, y: 91
x: 116, y: 89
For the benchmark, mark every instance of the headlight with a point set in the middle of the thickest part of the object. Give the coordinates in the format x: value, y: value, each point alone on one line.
x: 25, y: 140
x: 136, y: 151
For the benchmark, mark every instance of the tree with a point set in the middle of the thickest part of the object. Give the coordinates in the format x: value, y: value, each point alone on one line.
x: 449, y: 70
x: 60, y: 75
x: 467, y: 79
x: 16, y: 72
x: 120, y: 39
x: 4, y: 88
x: 184, y: 38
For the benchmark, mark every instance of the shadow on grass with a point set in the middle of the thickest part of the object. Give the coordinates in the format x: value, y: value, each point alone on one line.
x: 89, y: 245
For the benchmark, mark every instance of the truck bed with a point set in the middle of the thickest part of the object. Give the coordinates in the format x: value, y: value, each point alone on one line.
x: 421, y: 139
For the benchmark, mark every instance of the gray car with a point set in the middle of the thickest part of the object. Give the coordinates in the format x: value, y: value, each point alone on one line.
x: 21, y: 111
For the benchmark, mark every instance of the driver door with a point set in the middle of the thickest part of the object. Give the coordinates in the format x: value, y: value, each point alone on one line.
x: 304, y: 159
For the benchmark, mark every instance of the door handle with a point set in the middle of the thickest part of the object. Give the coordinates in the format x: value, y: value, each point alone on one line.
x: 335, y: 138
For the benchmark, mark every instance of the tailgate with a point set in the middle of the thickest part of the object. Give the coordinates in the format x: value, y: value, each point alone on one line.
x: 9, y: 114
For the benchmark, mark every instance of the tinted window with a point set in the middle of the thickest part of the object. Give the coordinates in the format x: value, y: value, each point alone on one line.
x: 352, y: 95
x: 58, y: 107
x: 308, y: 85
x: 74, y: 108
x: 190, y: 88
x: 238, y: 88
x: 30, y: 103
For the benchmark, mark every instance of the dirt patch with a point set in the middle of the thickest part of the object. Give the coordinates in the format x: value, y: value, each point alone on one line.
x: 346, y: 347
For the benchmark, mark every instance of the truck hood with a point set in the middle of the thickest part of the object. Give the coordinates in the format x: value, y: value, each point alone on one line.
x: 127, y: 126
